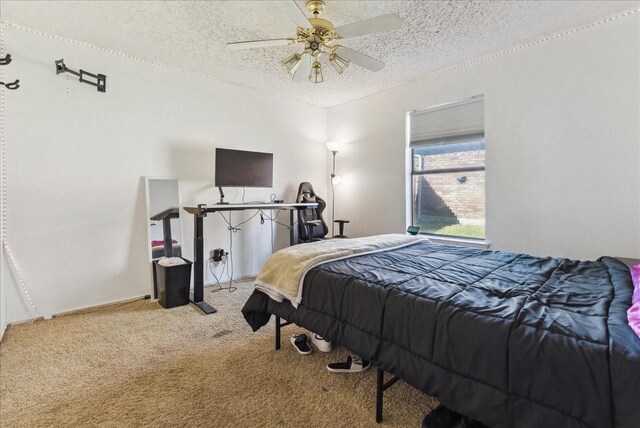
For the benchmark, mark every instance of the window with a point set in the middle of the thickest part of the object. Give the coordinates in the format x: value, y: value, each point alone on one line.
x: 448, y: 169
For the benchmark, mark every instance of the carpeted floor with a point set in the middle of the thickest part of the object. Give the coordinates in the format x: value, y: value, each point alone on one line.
x: 138, y: 364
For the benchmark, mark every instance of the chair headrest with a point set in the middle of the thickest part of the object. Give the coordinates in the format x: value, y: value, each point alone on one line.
x: 305, y: 190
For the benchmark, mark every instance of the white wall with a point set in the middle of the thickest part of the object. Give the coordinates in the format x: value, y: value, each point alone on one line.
x: 76, y: 160
x: 562, y: 125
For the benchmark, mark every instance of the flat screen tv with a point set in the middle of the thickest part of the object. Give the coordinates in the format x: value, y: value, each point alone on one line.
x: 239, y: 168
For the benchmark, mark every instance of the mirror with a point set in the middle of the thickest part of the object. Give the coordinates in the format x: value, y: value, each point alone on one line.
x: 163, y: 215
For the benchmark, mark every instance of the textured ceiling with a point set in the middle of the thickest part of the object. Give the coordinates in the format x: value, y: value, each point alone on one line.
x: 192, y: 35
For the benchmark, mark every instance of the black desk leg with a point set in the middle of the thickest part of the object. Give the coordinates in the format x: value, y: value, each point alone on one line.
x: 168, y: 240
x: 197, y: 297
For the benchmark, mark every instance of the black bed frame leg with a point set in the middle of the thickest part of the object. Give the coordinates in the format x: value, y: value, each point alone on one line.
x: 379, y: 392
x: 279, y: 325
x: 277, y: 333
x: 381, y: 387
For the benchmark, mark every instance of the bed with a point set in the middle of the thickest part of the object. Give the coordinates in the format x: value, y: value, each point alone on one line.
x: 510, y: 340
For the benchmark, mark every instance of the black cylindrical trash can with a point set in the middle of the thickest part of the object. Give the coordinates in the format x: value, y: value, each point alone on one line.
x: 173, y: 283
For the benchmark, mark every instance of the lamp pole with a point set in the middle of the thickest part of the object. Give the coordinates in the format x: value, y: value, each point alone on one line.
x: 333, y: 193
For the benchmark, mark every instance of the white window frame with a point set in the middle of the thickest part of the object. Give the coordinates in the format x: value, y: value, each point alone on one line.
x: 409, y: 174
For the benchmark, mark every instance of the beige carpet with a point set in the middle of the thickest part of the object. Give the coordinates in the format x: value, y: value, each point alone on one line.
x: 138, y: 364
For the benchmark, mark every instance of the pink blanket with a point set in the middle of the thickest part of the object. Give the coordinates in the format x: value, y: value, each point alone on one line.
x: 633, y: 314
x: 161, y: 243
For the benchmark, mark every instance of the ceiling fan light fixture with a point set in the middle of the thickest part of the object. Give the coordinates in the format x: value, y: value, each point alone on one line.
x: 291, y: 63
x: 338, y: 62
x: 317, y: 36
x: 316, y: 73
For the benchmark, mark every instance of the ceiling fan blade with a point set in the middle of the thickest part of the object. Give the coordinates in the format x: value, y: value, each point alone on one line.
x: 295, y: 14
x: 387, y: 22
x: 304, y: 69
x: 360, y: 59
x: 250, y: 44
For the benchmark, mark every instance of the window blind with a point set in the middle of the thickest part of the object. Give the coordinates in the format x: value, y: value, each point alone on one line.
x: 455, y: 122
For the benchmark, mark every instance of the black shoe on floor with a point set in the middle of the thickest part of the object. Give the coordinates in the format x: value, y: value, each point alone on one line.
x: 300, y: 342
x: 470, y: 423
x: 440, y: 417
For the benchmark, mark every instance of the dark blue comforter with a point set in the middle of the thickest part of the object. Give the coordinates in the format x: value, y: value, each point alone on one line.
x: 508, y: 339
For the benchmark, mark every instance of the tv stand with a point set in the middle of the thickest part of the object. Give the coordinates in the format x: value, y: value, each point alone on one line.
x: 201, y: 211
x: 221, y: 202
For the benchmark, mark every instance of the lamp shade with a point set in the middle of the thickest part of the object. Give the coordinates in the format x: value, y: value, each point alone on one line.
x: 335, y: 180
x: 315, y: 76
x: 291, y: 63
x: 339, y: 63
x: 334, y: 146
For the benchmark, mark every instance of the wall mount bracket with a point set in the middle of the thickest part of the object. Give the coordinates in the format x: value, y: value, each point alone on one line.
x: 13, y: 85
x: 100, y: 79
x: 6, y: 60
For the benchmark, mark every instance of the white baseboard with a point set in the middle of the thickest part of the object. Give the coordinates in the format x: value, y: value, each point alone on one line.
x: 80, y: 310
x: 100, y: 306
x: 103, y: 305
x: 245, y: 278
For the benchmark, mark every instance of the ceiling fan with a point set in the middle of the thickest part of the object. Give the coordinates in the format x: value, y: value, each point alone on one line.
x: 319, y: 36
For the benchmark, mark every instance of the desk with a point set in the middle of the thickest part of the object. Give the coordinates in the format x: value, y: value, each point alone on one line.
x: 201, y: 211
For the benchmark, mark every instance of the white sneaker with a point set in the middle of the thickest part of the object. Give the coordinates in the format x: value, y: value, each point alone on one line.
x: 323, y: 345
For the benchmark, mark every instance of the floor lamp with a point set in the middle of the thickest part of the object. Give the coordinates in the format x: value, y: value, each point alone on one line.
x: 333, y: 147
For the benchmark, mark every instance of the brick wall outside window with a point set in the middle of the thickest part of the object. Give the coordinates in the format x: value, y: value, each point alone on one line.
x: 460, y: 195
